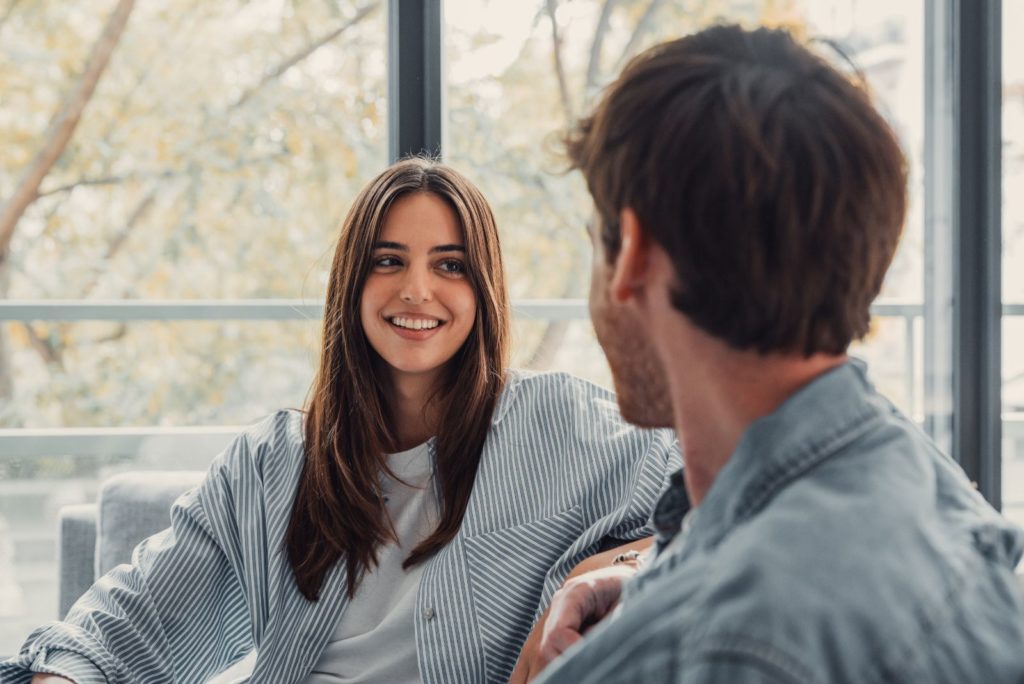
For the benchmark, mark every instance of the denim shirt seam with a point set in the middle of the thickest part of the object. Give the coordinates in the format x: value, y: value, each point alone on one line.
x: 809, y: 455
x: 748, y: 649
x: 770, y: 484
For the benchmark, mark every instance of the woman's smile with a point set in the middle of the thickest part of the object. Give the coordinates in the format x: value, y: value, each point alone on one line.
x: 415, y: 327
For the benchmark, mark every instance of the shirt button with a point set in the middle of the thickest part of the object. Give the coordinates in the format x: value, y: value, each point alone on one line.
x: 428, y: 614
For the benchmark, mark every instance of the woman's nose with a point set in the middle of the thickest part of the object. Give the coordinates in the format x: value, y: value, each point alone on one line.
x: 415, y: 287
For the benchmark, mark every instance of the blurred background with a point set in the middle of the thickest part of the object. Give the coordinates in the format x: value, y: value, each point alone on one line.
x: 162, y: 266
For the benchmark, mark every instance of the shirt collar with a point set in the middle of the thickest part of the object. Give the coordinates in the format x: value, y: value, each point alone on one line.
x: 505, y: 400
x: 673, y: 505
x: 808, y: 428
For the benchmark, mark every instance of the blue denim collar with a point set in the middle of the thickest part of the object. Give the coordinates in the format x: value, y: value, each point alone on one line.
x: 808, y: 428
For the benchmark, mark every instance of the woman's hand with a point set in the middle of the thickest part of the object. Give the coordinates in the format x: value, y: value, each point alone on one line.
x: 49, y: 679
x: 590, y: 592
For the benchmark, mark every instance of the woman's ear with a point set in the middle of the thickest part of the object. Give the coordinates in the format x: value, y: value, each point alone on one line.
x: 630, y: 271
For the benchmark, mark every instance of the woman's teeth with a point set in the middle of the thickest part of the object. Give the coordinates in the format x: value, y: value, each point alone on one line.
x: 414, y: 324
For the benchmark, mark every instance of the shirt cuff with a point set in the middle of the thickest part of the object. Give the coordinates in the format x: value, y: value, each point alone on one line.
x: 64, y: 663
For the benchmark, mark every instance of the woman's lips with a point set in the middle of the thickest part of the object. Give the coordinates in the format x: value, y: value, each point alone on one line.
x: 410, y: 334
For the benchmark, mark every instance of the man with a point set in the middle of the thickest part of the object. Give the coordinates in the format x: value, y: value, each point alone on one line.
x: 749, y: 201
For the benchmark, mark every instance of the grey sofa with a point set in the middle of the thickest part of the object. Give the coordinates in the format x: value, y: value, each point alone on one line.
x: 93, y: 538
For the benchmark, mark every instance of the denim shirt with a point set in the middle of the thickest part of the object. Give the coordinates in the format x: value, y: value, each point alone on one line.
x: 838, y: 544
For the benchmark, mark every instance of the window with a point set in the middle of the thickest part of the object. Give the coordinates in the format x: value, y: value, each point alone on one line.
x: 213, y: 162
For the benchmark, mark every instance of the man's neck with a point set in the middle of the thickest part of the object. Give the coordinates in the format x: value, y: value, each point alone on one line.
x: 717, y: 392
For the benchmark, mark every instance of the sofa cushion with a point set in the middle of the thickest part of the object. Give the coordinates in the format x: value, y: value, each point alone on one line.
x: 133, y: 506
x: 77, y: 543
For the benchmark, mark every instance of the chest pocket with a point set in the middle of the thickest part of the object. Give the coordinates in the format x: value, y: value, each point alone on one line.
x: 507, y: 569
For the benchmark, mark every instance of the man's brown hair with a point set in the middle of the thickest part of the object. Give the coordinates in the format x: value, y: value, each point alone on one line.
x: 776, y: 188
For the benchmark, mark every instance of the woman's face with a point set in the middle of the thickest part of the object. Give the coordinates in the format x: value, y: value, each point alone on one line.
x: 418, y: 305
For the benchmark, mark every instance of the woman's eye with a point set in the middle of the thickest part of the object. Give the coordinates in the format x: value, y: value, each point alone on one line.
x: 386, y: 262
x: 453, y: 266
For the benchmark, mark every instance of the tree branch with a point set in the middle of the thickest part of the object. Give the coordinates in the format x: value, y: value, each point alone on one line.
x: 50, y: 354
x: 63, y: 125
x: 110, y: 180
x: 119, y: 332
x: 158, y: 56
x: 154, y: 175
x: 594, y: 65
x: 641, y: 28
x: 556, y: 49
x: 304, y: 53
x: 138, y: 213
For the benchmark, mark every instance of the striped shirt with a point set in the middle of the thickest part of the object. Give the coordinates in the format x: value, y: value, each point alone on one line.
x: 561, y: 476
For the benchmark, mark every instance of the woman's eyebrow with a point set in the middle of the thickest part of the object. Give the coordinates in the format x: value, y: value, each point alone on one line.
x: 447, y: 248
x: 399, y: 247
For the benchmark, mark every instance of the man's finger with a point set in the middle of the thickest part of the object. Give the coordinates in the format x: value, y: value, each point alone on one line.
x: 555, y: 644
x: 571, y: 607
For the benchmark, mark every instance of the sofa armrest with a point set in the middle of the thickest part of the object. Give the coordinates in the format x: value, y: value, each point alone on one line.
x: 76, y: 544
x: 133, y: 506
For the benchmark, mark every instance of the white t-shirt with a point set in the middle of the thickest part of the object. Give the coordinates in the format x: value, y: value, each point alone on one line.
x: 374, y: 640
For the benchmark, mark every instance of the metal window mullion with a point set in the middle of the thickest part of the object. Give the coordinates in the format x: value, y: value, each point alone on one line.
x: 939, y: 208
x: 977, y: 238
x: 415, y: 93
x: 138, y: 443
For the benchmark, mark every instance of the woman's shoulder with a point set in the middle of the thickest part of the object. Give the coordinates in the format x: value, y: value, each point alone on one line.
x: 557, y: 383
x: 567, y: 409
x: 552, y: 393
x: 269, y: 446
x: 281, y: 427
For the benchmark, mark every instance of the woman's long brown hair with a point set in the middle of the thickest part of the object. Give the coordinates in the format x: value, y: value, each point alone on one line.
x: 339, y: 510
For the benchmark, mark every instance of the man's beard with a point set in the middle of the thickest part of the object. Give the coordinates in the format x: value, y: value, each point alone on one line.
x: 640, y: 382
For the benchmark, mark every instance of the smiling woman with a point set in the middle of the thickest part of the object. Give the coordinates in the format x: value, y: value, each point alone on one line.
x: 428, y: 501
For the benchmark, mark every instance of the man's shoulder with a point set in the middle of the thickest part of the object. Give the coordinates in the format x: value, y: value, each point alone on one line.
x: 833, y: 596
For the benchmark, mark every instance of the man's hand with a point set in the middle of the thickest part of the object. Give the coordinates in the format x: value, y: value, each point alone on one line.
x: 581, y: 603
x: 530, y: 661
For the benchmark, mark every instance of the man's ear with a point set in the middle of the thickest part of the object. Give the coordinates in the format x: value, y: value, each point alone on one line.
x: 630, y: 270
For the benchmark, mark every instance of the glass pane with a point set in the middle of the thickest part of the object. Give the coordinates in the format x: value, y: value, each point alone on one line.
x: 219, y: 150
x: 216, y: 156
x: 109, y: 374
x: 1013, y: 261
x: 575, y: 349
x: 510, y: 93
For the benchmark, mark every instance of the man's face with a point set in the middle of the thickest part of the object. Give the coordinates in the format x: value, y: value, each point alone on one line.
x: 625, y: 337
